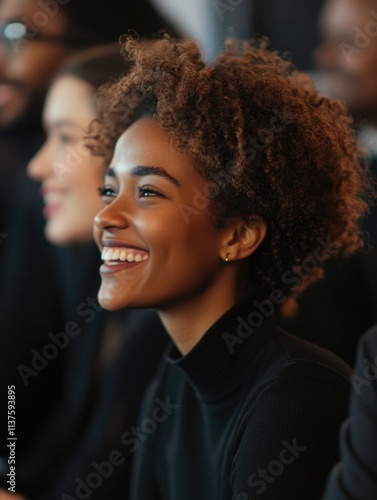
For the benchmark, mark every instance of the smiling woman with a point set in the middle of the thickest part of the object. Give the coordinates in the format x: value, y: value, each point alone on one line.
x: 270, y: 194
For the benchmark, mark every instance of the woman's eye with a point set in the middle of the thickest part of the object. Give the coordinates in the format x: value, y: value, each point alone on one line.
x: 65, y: 139
x: 146, y: 192
x: 106, y: 192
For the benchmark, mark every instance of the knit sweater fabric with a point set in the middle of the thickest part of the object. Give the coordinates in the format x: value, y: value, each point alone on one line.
x: 250, y: 412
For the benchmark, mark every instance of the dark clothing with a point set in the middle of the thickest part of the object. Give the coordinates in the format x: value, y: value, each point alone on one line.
x: 248, y: 411
x: 355, y: 478
x: 78, y: 437
x: 30, y: 303
x: 121, y: 386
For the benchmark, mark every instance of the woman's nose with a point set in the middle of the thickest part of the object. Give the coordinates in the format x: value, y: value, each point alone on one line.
x: 325, y: 56
x: 111, y: 218
x: 40, y: 166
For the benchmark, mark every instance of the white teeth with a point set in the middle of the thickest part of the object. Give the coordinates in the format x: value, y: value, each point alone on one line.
x: 113, y: 255
x: 51, y: 197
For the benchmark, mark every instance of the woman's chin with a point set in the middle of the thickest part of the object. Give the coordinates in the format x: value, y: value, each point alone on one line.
x: 55, y: 235
x: 108, y: 301
x: 112, y: 296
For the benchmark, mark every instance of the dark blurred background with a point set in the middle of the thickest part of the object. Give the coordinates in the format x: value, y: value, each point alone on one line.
x: 291, y: 25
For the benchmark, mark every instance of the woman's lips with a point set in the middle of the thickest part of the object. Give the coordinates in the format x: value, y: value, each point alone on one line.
x: 7, y: 93
x: 52, y: 199
x: 50, y: 209
x: 108, y: 268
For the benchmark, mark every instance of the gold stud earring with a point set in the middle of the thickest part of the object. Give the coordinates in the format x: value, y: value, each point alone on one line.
x: 227, y: 258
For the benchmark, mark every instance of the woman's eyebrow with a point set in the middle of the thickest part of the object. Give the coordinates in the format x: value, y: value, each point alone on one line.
x: 140, y: 171
x: 60, y: 124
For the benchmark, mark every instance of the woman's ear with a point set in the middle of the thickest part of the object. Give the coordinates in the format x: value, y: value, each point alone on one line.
x: 242, y: 238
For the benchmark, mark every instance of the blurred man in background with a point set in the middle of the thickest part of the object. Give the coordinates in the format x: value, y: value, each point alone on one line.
x: 338, y: 310
x: 348, y: 57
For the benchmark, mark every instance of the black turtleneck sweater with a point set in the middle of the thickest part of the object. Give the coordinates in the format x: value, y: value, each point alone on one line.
x: 249, y: 413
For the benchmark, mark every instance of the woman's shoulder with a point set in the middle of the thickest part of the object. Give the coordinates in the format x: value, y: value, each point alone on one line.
x: 259, y: 341
x: 289, y: 356
x: 297, y: 387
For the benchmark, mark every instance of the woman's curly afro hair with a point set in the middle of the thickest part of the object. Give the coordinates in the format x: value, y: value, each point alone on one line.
x: 257, y: 130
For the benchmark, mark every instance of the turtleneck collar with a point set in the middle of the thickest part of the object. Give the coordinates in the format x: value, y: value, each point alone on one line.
x: 217, y: 365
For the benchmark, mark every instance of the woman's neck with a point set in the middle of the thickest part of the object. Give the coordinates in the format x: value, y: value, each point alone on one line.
x: 188, y: 321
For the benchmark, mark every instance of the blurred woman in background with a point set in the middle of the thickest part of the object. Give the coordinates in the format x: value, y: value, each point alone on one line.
x: 114, y: 356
